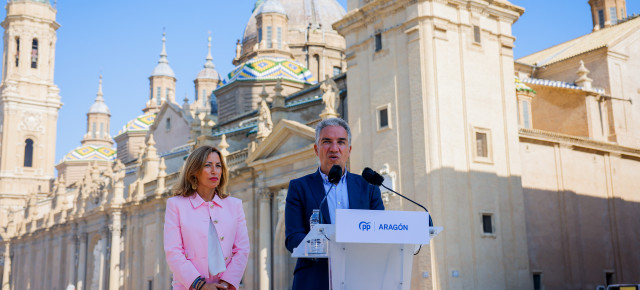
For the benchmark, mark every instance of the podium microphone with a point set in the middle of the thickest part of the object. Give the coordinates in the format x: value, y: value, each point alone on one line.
x: 335, y: 173
x: 376, y: 179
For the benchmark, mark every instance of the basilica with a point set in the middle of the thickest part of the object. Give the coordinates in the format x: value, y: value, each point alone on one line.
x: 530, y: 165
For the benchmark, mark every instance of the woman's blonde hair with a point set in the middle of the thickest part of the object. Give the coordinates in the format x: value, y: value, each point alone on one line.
x: 188, y: 181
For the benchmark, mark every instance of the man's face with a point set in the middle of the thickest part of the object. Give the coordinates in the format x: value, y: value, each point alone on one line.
x: 332, y: 148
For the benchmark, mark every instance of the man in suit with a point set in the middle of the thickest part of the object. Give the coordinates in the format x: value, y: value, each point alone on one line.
x: 333, y: 139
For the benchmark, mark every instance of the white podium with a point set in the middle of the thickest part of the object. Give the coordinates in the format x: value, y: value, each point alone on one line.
x: 370, y: 249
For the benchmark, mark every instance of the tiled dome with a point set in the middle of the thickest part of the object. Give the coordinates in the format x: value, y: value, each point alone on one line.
x: 271, y: 68
x: 91, y: 153
x: 139, y: 124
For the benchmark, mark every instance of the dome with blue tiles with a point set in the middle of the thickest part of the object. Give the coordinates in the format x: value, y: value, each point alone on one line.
x: 271, y: 68
x: 91, y: 153
x: 139, y: 124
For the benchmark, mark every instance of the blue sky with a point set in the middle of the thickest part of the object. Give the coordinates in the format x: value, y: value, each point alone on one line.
x: 122, y: 41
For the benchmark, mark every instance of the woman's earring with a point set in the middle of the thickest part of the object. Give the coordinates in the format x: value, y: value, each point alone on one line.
x: 194, y: 185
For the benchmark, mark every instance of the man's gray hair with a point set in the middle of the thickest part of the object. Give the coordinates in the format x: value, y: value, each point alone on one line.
x: 332, y: 122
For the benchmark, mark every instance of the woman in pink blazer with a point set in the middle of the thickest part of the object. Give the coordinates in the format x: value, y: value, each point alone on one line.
x: 205, y: 233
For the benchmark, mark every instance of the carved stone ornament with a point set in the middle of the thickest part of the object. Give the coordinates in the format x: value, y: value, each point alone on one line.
x: 31, y: 121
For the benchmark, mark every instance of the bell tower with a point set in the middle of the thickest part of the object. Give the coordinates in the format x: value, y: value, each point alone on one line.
x: 607, y: 12
x: 29, y: 100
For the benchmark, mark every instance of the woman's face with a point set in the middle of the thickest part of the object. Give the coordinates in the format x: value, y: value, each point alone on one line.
x: 209, y: 176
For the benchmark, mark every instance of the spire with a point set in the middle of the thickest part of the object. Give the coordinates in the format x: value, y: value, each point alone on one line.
x: 209, y: 70
x: 99, y: 95
x: 163, y: 68
x: 209, y: 63
x: 99, y: 106
x: 163, y: 53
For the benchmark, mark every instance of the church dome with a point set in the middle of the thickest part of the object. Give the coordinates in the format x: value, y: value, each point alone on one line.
x: 271, y: 68
x: 139, y: 124
x: 271, y: 6
x: 320, y: 13
x: 91, y: 153
x: 99, y: 108
x: 163, y: 69
x: 208, y: 73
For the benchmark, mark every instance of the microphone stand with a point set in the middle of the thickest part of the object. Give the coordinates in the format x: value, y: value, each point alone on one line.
x: 425, y: 209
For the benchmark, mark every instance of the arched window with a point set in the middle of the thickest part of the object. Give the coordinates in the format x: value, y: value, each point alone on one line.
x: 168, y: 124
x: 28, y: 153
x: 269, y: 38
x: 17, y: 50
x: 316, y: 60
x: 279, y: 37
x: 34, y: 53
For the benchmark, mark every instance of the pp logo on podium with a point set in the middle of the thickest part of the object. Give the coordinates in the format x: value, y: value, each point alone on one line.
x: 364, y: 226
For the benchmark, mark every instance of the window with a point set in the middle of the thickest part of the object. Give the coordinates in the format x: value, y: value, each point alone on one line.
x: 613, y: 14
x: 316, y: 60
x: 34, y: 53
x: 158, y: 101
x: 17, y: 51
x: 526, y: 120
x: 481, y: 145
x: 93, y: 130
x: 337, y: 70
x: 487, y: 223
x: 378, y: 41
x: 537, y: 281
x: 28, y: 153
x: 168, y: 124
x: 601, y: 18
x: 259, y: 34
x: 279, y: 37
x: 622, y: 16
x: 150, y: 284
x: 476, y: 34
x: 203, y: 97
x: 166, y: 94
x: 101, y: 130
x: 383, y: 118
x: 269, y: 39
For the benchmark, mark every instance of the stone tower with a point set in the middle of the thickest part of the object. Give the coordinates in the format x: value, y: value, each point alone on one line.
x: 162, y: 82
x: 440, y: 110
x: 607, y: 12
x: 29, y: 101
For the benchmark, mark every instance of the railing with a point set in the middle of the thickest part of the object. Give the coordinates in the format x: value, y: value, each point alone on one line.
x: 237, y: 158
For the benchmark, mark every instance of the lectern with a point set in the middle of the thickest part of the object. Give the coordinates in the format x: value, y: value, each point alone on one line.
x: 369, y: 249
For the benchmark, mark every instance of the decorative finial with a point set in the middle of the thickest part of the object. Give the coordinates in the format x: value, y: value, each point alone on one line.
x: 164, y: 44
x: 99, y: 94
x: 264, y: 93
x: 209, y: 62
x: 583, y: 78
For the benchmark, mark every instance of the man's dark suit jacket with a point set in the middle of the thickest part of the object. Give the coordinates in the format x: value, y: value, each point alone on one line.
x: 305, y: 195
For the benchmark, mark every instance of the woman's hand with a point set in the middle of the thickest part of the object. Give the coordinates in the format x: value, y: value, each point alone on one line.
x: 216, y: 286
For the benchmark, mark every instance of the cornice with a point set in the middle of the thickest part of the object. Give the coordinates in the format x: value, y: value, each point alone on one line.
x: 576, y: 142
x: 369, y: 11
